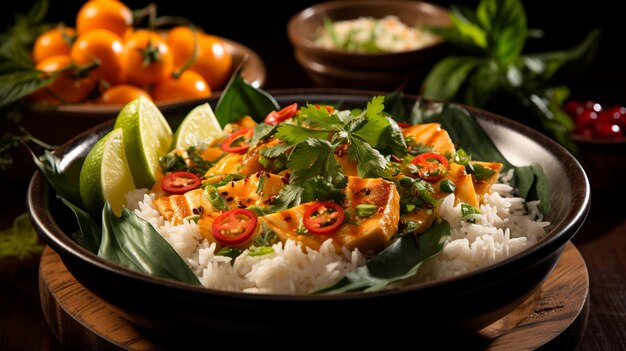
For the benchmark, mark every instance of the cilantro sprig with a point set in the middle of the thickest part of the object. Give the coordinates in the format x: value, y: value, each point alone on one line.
x: 318, y: 134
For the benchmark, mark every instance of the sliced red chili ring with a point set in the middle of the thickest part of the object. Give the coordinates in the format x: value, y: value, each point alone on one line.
x: 238, y: 142
x: 275, y: 117
x: 234, y: 227
x: 328, y: 108
x: 431, y: 166
x: 323, y: 218
x: 180, y: 182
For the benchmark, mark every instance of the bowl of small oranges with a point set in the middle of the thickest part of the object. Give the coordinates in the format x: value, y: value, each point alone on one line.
x: 113, y: 54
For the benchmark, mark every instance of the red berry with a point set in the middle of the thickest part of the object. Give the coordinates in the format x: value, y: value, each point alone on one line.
x: 590, y: 104
x: 607, y: 130
x: 617, y: 115
x: 586, y: 118
x: 573, y: 108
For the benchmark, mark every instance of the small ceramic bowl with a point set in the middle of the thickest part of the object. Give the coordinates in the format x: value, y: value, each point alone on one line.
x: 467, y: 302
x: 335, y: 68
x: 604, y: 160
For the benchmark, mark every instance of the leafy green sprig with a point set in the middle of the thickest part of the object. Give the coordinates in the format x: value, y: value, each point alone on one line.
x: 493, y: 37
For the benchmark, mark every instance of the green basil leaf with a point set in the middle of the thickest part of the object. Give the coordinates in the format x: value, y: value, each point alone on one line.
x: 90, y: 232
x: 63, y: 177
x: 16, y: 85
x: 446, y: 78
x: 144, y: 248
x: 482, y: 84
x: 242, y: 99
x: 398, y: 261
x: 555, y: 65
x: 505, y: 24
x: 38, y: 11
x: 467, y: 27
x: 110, y: 249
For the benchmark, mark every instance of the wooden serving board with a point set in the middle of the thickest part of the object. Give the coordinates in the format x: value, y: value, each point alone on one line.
x: 82, y: 321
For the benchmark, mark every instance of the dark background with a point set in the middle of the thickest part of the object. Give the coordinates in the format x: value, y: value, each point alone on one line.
x: 261, y: 25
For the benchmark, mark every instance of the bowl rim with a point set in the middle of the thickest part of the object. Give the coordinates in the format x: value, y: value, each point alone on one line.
x: 308, y: 46
x: 251, y: 61
x: 582, y: 139
x: 39, y: 191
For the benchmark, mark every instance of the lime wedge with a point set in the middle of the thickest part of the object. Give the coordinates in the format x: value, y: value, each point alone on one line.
x: 199, y: 128
x: 105, y: 175
x: 147, y: 136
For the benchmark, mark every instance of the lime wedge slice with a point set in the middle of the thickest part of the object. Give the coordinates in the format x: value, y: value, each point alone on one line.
x: 147, y: 136
x: 199, y: 128
x: 105, y: 175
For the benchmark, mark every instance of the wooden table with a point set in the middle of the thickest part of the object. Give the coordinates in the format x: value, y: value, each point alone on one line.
x: 602, y: 239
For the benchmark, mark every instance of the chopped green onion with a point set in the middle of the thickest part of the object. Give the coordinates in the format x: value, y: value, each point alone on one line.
x: 366, y: 210
x: 193, y: 218
x: 481, y: 172
x: 260, y: 251
x: 447, y: 186
x: 467, y: 211
x: 214, y: 198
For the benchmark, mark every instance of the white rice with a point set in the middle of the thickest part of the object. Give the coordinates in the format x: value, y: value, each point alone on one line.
x: 391, y: 34
x: 289, y: 270
x: 505, y: 226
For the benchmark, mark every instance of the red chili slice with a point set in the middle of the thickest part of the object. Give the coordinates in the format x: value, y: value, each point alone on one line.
x: 323, y: 218
x: 431, y: 166
x: 180, y: 182
x: 275, y: 117
x: 328, y: 108
x: 238, y: 142
x: 234, y: 227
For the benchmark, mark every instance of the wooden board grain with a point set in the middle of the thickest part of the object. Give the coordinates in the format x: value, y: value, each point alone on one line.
x: 82, y: 321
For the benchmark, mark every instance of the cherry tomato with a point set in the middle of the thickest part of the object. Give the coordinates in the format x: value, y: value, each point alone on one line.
x: 180, y: 182
x: 121, y: 94
x: 113, y: 16
x: 238, y: 142
x: 213, y: 61
x: 275, y: 117
x: 323, y: 218
x: 105, y: 47
x: 68, y: 85
x: 53, y: 42
x: 234, y: 227
x: 431, y: 166
x: 146, y: 58
x: 190, y: 85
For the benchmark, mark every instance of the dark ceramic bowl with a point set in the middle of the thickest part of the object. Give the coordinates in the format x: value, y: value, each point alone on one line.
x: 604, y: 160
x: 334, y: 68
x: 468, y: 302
